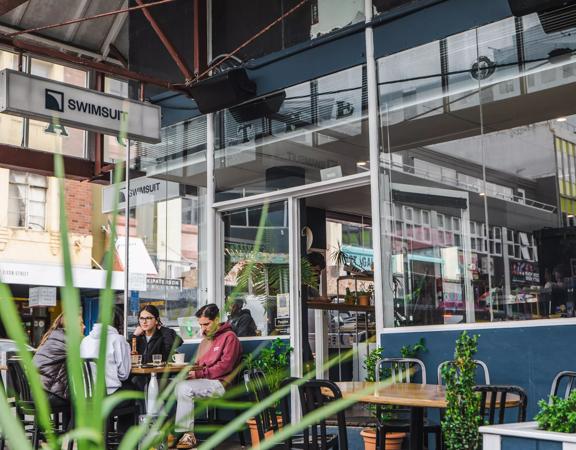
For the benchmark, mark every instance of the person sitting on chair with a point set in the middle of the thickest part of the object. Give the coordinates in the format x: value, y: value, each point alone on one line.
x: 241, y: 319
x: 218, y: 355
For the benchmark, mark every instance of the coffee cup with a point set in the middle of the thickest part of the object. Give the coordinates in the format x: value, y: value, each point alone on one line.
x: 178, y: 358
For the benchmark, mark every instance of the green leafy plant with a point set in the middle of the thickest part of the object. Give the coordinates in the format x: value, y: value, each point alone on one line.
x: 273, y: 361
x: 462, y: 417
x: 559, y: 415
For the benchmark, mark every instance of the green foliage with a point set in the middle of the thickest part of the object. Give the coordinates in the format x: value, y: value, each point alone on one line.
x: 273, y: 361
x: 462, y: 418
x: 559, y: 415
x: 414, y: 350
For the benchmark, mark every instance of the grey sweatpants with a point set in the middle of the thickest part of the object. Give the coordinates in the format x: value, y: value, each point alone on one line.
x: 186, y: 392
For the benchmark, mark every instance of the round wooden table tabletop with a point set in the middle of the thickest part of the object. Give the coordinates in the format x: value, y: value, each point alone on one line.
x: 166, y: 368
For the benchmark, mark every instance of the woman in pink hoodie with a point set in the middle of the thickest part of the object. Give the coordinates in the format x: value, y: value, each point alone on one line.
x: 218, y: 355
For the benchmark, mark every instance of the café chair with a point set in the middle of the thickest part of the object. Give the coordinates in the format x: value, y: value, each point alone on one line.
x: 493, y: 405
x: 567, y: 377
x: 127, y: 408
x: 402, y: 370
x: 315, y: 437
x: 25, y: 405
x: 480, y: 366
x: 267, y: 420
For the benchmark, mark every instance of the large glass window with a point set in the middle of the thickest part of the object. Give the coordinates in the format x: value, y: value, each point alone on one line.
x: 310, y: 132
x: 167, y: 225
x: 257, y: 279
x: 477, y: 176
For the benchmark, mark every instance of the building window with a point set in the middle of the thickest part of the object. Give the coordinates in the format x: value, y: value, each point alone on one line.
x: 27, y: 200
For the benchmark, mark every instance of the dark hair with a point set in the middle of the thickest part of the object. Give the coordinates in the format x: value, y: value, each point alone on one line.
x: 316, y: 260
x: 152, y: 310
x: 118, y: 320
x: 210, y: 311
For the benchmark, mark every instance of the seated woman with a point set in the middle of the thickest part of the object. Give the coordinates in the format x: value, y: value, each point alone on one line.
x: 218, y: 355
x: 152, y: 338
x: 50, y: 359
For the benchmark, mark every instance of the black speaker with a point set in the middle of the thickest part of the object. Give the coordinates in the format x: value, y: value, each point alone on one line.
x: 223, y: 90
x: 523, y: 7
x: 256, y: 109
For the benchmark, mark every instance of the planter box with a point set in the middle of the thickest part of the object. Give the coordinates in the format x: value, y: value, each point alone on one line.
x: 525, y: 436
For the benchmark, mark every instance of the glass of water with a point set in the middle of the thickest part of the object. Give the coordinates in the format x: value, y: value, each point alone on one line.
x: 157, y: 360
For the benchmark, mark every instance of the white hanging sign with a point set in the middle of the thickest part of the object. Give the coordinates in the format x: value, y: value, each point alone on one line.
x: 27, y: 95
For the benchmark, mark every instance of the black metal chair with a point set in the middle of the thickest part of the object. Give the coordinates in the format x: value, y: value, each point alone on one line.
x: 402, y: 370
x: 267, y: 421
x: 316, y: 437
x: 25, y: 405
x: 493, y: 403
x: 127, y: 409
x: 565, y: 380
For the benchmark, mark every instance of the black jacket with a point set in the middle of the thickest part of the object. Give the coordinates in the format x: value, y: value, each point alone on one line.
x: 243, y: 324
x: 50, y: 359
x: 162, y: 342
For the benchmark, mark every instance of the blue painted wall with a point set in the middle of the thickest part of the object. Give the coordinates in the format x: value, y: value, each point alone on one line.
x: 529, y: 357
x: 511, y: 443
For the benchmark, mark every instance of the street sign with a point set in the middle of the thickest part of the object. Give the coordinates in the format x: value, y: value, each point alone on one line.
x: 42, y: 296
x: 27, y: 95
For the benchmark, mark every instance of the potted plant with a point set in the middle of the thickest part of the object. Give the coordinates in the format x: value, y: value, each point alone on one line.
x: 393, y: 440
x: 349, y: 297
x: 461, y: 417
x: 274, y: 362
x: 364, y: 297
x: 558, y: 415
x: 555, y: 417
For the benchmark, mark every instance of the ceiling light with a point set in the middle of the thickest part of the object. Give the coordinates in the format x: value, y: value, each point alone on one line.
x: 570, y: 216
x: 482, y: 194
x: 561, y: 119
x: 361, y: 163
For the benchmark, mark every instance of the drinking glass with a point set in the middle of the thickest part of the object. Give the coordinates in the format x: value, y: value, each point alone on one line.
x: 136, y: 360
x: 156, y: 360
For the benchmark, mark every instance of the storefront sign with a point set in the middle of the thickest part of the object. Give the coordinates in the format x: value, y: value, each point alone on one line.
x: 40, y: 98
x: 141, y: 191
x: 359, y: 257
x: 42, y: 296
x: 174, y: 284
x: 53, y: 275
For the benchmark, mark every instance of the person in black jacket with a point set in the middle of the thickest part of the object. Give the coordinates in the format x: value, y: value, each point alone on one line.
x: 241, y: 320
x: 152, y: 338
x: 50, y: 359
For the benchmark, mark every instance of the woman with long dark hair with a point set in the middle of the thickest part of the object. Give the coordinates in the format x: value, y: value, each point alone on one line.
x: 50, y: 359
x: 152, y: 337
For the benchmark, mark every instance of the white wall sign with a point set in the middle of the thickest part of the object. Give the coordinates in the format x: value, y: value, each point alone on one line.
x: 40, y: 98
x: 141, y: 191
x: 42, y: 296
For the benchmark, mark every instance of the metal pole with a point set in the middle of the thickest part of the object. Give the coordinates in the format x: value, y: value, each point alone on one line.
x: 380, y: 277
x: 210, y: 212
x: 127, y: 239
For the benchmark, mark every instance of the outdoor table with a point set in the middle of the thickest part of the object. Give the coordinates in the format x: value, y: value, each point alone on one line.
x: 152, y: 389
x: 415, y: 395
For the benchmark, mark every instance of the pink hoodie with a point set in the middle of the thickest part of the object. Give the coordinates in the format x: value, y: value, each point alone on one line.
x: 220, y: 355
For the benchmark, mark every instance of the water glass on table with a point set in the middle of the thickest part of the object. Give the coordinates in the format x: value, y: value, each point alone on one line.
x: 157, y: 360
